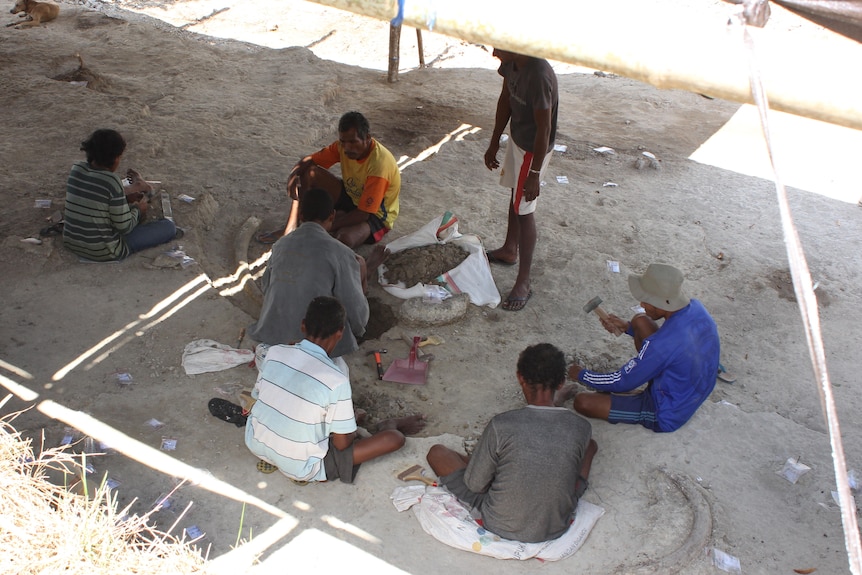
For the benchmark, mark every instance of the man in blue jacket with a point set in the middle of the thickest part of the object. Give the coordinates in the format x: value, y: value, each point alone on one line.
x: 678, y: 361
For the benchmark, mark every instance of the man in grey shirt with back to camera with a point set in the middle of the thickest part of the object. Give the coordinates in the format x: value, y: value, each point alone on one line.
x: 305, y: 264
x: 531, y: 464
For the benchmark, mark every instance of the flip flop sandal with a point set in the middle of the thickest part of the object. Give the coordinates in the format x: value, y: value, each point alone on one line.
x: 300, y: 483
x: 268, y: 238
x: 724, y: 376
x: 511, y: 302
x: 266, y: 467
x: 227, y: 411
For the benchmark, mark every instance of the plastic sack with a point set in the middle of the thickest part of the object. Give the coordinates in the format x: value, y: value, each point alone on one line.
x: 446, y: 519
x: 206, y: 355
x: 472, y: 276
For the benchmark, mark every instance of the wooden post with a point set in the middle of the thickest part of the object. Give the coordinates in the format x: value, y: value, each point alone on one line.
x: 421, y: 51
x: 394, y: 51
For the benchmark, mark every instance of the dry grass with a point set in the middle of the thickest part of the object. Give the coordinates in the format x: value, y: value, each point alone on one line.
x: 47, y: 529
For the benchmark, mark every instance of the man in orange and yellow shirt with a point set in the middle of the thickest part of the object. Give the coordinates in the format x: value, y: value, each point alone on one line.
x: 365, y: 197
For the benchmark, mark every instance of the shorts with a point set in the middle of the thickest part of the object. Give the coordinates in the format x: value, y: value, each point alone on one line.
x: 454, y: 482
x: 517, y: 163
x: 339, y: 464
x: 378, y: 228
x: 637, y: 408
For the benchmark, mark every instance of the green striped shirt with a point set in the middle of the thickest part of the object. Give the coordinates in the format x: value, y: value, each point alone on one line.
x: 97, y: 214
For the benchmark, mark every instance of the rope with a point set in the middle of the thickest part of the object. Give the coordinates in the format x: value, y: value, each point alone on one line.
x: 807, y: 301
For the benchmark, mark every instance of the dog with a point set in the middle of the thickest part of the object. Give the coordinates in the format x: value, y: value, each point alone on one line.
x: 35, y: 12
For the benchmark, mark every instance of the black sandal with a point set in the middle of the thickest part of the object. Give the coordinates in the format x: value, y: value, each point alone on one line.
x: 227, y: 411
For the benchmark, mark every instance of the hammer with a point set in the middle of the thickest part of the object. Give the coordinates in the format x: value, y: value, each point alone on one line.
x: 377, y: 353
x: 595, y: 305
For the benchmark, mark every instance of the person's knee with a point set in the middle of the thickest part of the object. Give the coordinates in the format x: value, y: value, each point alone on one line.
x: 643, y: 326
x: 595, y: 405
x: 580, y: 402
x: 436, y: 453
x: 391, y: 440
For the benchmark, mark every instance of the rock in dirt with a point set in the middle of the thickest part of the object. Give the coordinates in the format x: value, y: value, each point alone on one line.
x: 416, y: 312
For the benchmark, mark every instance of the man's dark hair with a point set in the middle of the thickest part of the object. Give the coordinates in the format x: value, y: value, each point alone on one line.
x: 316, y: 205
x: 542, y: 365
x: 104, y: 147
x: 356, y: 121
x: 323, y: 317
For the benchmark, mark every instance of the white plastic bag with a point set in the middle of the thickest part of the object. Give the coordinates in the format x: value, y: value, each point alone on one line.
x: 446, y: 519
x: 472, y: 276
x: 205, y: 355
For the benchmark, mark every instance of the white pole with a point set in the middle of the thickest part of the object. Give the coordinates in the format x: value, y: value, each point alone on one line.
x: 655, y: 43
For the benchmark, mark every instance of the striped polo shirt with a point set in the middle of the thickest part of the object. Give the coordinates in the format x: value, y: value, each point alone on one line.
x: 302, y: 397
x: 97, y: 215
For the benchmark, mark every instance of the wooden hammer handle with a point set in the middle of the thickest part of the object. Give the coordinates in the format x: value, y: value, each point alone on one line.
x: 604, y: 315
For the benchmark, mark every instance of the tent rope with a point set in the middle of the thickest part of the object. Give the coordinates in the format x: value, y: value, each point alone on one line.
x: 807, y: 301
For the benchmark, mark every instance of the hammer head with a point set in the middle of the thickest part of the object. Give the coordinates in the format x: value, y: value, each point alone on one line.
x: 592, y: 304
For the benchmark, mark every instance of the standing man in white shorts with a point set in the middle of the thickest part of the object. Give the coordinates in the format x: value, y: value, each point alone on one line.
x: 530, y: 100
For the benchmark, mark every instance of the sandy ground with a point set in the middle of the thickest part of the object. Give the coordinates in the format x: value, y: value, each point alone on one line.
x: 224, y: 120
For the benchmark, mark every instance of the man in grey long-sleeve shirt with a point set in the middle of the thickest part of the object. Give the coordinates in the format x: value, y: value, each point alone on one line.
x: 531, y: 464
x: 305, y: 264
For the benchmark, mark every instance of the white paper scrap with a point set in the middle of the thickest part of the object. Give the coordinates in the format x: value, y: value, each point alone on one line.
x: 560, y: 148
x: 562, y: 179
x: 609, y: 185
x: 725, y: 562
x: 604, y: 150
x: 613, y: 267
x: 793, y: 470
x: 649, y: 155
x: 185, y: 198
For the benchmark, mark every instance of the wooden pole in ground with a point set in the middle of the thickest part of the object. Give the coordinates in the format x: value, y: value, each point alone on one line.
x: 394, y: 51
x: 421, y: 50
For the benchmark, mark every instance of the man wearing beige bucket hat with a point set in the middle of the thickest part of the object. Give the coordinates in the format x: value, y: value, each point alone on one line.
x: 678, y: 361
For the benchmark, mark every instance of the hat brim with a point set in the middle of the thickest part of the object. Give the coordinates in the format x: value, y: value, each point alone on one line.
x: 674, y: 303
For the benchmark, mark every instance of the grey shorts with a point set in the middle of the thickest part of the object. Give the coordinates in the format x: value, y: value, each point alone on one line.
x: 339, y: 464
x: 454, y: 482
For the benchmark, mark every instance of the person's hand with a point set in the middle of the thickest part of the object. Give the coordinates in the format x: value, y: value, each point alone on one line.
x: 491, y: 155
x: 531, y: 186
x: 573, y: 371
x: 139, y: 184
x: 614, y: 325
x: 143, y: 204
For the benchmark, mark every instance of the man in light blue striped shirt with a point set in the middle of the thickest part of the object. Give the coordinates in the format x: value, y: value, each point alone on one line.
x: 303, y: 420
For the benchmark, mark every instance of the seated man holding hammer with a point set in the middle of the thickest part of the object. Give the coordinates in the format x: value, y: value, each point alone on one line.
x: 678, y: 361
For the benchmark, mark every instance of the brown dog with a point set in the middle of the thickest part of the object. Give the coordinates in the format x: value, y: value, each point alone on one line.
x: 35, y: 12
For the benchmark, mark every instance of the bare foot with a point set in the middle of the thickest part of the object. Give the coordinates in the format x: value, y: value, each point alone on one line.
x: 565, y: 393
x: 410, y: 425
